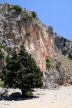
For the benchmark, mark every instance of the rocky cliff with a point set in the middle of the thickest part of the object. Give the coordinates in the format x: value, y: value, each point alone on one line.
x: 64, y: 52
x: 16, y: 27
x: 64, y: 45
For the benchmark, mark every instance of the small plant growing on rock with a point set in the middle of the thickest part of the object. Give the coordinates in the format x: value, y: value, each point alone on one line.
x: 26, y: 16
x: 65, y: 39
x: 1, y: 52
x: 62, y: 38
x: 64, y: 52
x: 28, y: 33
x: 64, y: 44
x: 48, y: 63
x: 70, y: 56
x: 34, y: 14
x: 50, y: 29
x: 70, y: 82
x: 57, y: 66
x: 17, y: 8
x: 1, y: 84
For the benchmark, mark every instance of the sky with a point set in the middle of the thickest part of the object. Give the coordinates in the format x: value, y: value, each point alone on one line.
x: 56, y: 13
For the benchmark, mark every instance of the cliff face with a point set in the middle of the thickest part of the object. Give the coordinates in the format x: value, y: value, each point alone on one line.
x: 63, y: 44
x: 64, y: 47
x: 16, y: 27
x: 40, y: 44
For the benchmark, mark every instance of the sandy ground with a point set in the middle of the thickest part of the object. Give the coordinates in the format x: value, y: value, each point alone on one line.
x: 61, y: 98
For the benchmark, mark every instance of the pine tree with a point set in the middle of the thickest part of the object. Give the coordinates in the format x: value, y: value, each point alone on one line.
x: 21, y: 71
x: 33, y: 75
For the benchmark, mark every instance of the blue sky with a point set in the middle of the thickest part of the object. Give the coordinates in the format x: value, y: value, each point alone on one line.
x: 57, y: 13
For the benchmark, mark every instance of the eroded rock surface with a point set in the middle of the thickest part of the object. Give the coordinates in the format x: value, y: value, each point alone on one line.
x: 16, y: 27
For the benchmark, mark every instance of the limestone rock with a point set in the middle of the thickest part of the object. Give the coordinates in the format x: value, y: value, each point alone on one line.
x: 17, y: 27
x: 14, y: 30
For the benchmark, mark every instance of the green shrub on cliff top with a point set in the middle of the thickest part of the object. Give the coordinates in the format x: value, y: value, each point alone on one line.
x: 34, y: 14
x: 17, y: 8
x: 26, y: 16
x: 50, y: 29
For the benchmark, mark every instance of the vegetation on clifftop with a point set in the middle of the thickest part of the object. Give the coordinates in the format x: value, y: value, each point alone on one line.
x: 34, y: 14
x: 50, y: 29
x: 17, y: 8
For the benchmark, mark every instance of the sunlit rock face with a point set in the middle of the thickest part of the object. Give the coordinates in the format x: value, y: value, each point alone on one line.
x: 40, y: 44
x: 16, y: 28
